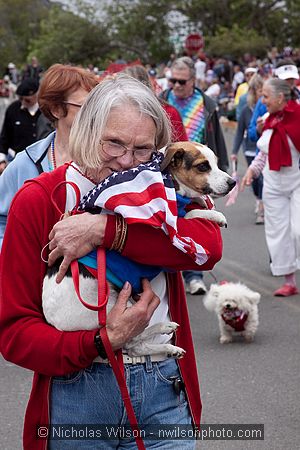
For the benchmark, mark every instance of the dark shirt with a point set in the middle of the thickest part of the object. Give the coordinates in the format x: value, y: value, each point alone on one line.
x: 19, y: 128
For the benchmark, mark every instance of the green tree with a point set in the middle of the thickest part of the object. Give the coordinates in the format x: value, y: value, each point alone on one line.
x: 139, y: 29
x: 19, y: 22
x: 66, y: 37
x: 235, y: 42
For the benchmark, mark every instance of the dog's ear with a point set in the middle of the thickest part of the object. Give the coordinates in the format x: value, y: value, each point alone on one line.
x: 173, y: 156
x: 254, y: 297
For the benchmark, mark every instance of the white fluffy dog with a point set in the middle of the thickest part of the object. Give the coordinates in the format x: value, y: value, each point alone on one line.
x: 236, y: 307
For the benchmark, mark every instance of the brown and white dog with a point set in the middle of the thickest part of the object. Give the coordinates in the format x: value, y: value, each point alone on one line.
x: 196, y: 174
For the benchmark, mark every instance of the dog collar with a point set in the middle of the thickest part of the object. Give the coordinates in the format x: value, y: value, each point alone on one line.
x: 235, y: 318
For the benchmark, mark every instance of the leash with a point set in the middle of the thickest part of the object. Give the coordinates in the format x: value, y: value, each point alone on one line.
x: 115, y: 358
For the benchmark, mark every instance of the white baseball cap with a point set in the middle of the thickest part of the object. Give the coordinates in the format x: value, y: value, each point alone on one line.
x: 286, y: 72
x: 250, y: 70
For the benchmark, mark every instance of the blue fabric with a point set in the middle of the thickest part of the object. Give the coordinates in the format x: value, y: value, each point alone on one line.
x: 259, y: 110
x: 182, y: 202
x: 22, y: 168
x: 120, y: 269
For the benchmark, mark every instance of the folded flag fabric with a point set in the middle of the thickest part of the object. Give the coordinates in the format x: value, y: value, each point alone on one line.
x: 145, y: 195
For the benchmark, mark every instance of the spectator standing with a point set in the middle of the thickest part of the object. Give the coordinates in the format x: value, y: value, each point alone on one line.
x: 33, y: 70
x: 20, y: 126
x: 249, y: 147
x: 240, y: 99
x: 178, y: 130
x: 12, y: 72
x: 238, y: 77
x: 200, y: 66
x: 278, y: 158
x: 61, y: 95
x: 200, y: 119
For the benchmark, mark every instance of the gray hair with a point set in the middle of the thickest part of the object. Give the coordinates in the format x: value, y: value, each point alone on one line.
x: 278, y: 87
x: 183, y: 63
x: 114, y: 92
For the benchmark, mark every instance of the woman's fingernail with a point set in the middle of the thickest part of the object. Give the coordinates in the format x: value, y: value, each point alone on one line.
x: 126, y: 285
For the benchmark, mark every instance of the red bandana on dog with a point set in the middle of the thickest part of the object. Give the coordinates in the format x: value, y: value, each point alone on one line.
x: 235, y: 318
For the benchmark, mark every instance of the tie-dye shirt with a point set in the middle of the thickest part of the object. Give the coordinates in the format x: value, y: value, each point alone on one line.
x: 192, y: 113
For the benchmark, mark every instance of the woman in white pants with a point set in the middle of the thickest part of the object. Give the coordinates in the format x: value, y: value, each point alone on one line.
x: 279, y: 160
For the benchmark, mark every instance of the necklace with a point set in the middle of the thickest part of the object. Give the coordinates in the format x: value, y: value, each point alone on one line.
x: 81, y: 173
x: 53, y: 160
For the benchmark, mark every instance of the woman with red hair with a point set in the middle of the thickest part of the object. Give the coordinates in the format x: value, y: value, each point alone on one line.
x: 62, y: 92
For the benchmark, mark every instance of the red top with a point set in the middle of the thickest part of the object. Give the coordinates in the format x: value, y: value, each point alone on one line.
x: 178, y: 130
x: 28, y: 341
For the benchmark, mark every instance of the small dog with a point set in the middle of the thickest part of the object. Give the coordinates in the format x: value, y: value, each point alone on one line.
x: 236, y: 307
x: 196, y: 174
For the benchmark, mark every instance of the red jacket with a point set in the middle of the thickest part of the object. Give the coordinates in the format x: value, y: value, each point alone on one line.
x: 28, y: 341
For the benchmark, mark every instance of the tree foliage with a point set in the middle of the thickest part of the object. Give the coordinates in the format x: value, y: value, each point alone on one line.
x: 65, y: 37
x: 139, y: 29
x: 19, y: 22
x: 84, y: 32
x: 234, y: 42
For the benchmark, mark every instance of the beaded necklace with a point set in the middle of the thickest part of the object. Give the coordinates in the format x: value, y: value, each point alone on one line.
x: 53, y: 160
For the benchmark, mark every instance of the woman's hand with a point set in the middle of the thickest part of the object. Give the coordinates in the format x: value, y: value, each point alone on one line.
x: 74, y: 237
x: 125, y: 323
x: 247, y: 179
x: 259, y: 125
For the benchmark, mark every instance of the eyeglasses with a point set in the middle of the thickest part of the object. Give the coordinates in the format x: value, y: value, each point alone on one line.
x: 73, y: 104
x: 116, y: 150
x: 181, y: 82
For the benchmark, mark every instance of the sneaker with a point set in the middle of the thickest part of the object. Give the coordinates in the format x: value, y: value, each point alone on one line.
x: 196, y: 287
x: 260, y: 220
x: 286, y: 291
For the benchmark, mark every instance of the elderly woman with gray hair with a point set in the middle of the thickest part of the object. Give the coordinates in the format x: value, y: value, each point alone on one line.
x: 278, y: 160
x: 120, y: 126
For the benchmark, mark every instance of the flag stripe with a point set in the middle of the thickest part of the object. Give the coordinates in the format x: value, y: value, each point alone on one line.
x: 144, y: 195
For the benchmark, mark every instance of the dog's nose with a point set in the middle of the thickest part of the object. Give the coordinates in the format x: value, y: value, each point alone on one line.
x: 231, y: 183
x: 228, y: 306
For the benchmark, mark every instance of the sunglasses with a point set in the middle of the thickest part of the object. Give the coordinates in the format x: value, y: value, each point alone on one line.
x: 181, y: 82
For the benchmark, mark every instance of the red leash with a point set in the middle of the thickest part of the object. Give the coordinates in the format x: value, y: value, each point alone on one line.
x: 115, y: 358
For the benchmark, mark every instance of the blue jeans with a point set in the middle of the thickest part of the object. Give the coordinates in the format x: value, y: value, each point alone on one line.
x: 190, y: 275
x: 92, y: 396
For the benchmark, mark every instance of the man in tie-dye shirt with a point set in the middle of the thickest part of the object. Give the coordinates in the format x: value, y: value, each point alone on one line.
x: 200, y: 118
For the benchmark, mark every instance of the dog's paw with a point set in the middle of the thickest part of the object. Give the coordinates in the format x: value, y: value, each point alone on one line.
x: 168, y: 327
x: 225, y: 339
x: 175, y: 352
x: 221, y: 219
x: 248, y: 338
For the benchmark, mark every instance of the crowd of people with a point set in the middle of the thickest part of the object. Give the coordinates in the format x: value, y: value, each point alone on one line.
x: 73, y: 126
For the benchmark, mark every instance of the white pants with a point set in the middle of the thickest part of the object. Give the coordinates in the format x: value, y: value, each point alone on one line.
x: 281, y: 197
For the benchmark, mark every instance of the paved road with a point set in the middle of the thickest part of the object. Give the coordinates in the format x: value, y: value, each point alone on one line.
x: 240, y: 383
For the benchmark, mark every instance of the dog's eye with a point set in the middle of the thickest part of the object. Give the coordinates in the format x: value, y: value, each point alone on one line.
x: 203, y: 167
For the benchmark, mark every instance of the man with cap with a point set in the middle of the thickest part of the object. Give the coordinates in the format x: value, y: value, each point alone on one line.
x: 21, y: 126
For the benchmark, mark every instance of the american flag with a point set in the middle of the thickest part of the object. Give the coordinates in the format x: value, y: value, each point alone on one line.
x: 145, y: 195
